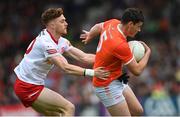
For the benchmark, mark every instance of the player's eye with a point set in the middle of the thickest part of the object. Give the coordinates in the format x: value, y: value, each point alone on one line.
x: 61, y: 21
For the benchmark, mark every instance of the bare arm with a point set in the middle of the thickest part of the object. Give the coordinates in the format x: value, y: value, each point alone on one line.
x: 81, y: 56
x: 94, y: 31
x: 62, y: 63
x: 137, y: 68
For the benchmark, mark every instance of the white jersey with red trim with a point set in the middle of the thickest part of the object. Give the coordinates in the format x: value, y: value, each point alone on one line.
x: 35, y: 65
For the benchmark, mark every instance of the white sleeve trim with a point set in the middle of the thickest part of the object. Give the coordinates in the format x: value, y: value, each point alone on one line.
x: 129, y: 61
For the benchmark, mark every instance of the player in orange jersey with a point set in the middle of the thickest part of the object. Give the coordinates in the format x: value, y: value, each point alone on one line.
x: 113, y: 53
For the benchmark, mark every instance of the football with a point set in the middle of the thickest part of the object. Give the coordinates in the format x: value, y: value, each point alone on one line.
x: 137, y: 49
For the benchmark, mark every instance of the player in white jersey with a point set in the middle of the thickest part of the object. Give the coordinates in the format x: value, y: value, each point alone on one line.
x: 43, y: 53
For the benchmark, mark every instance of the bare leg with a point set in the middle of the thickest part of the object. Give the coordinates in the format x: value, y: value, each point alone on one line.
x: 133, y: 103
x: 120, y: 109
x: 52, y: 103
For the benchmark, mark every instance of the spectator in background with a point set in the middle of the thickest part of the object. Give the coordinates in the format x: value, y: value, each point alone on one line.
x: 159, y: 103
x: 43, y: 52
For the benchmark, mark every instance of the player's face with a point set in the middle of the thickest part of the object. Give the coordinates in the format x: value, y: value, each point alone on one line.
x: 61, y: 25
x: 134, y: 28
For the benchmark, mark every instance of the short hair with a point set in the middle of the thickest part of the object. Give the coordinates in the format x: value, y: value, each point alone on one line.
x: 132, y: 14
x: 50, y: 14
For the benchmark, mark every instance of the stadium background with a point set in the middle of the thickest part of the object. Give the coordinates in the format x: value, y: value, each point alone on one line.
x: 158, y: 88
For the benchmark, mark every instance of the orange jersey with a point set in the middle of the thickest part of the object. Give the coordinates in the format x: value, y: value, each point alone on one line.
x: 112, y: 52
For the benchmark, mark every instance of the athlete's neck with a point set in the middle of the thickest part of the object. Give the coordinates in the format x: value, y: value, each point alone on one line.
x: 122, y: 30
x: 54, y: 34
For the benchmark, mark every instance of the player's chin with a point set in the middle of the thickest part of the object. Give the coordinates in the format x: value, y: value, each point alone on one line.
x: 65, y: 32
x: 132, y: 36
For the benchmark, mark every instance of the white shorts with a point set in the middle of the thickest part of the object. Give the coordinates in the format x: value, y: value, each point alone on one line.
x: 111, y: 94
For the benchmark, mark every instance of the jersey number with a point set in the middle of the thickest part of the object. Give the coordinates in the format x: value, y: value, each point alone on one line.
x: 102, y: 39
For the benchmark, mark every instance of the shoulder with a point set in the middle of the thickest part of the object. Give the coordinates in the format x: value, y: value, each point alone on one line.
x: 64, y: 41
x: 44, y: 37
x: 110, y: 22
x: 45, y: 42
x: 122, y: 51
x: 122, y: 46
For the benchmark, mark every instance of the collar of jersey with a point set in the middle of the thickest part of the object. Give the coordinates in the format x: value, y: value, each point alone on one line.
x: 56, y: 41
x: 118, y: 27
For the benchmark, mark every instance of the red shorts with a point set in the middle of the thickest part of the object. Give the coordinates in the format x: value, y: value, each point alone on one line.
x: 26, y: 92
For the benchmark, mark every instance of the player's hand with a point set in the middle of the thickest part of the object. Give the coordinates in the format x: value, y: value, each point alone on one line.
x: 147, y: 49
x: 85, y: 36
x: 101, y: 73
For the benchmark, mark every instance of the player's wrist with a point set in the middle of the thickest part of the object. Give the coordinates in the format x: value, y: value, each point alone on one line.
x: 88, y: 72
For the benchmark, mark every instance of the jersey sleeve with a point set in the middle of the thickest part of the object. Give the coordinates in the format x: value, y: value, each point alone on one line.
x: 67, y: 45
x: 50, y: 49
x: 123, y: 52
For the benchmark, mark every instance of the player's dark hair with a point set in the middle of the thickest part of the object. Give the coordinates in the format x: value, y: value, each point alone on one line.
x: 51, y: 14
x: 132, y: 14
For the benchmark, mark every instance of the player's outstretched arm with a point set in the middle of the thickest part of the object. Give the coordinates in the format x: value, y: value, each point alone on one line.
x: 81, y: 56
x: 94, y: 31
x: 62, y: 63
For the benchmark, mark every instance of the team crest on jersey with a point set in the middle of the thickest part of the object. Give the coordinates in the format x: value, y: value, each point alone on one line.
x: 51, y: 51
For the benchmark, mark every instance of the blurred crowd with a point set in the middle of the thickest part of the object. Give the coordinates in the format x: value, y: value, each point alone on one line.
x: 158, y: 88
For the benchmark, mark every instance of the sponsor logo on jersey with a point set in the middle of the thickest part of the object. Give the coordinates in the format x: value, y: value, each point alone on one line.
x: 51, y: 51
